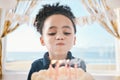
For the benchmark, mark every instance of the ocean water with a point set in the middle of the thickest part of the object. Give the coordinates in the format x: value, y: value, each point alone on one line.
x: 89, y: 56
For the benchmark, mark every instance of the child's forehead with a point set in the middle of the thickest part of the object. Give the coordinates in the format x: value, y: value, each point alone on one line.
x: 57, y: 21
x: 58, y: 17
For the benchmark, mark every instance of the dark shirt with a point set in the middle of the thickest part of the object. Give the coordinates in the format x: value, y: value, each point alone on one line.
x: 44, y: 62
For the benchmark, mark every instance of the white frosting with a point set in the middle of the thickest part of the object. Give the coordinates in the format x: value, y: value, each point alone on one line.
x: 62, y: 73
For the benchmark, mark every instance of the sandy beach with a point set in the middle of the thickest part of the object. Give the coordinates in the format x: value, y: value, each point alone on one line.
x: 25, y: 66
x: 18, y: 65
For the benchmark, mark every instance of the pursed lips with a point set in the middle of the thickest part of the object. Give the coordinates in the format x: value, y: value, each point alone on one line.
x: 60, y: 44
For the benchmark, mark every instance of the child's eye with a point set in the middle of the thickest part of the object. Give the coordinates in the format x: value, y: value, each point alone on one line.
x: 67, y: 33
x: 52, y: 34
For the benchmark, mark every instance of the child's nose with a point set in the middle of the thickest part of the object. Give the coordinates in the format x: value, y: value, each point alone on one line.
x: 60, y: 37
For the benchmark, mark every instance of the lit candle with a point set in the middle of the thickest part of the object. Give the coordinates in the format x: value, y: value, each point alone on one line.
x: 50, y: 71
x: 75, y: 66
x: 56, y: 70
x: 68, y: 69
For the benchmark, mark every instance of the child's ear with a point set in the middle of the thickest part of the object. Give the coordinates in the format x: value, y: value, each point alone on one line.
x: 42, y: 41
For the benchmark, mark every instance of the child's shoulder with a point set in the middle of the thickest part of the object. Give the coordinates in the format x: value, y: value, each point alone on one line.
x: 37, y: 61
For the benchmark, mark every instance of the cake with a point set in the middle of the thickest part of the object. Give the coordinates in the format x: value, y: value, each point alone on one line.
x: 62, y: 73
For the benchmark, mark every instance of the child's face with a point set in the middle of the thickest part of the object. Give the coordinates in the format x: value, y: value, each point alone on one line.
x: 58, y: 34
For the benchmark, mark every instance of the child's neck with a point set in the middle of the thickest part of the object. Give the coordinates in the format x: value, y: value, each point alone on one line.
x: 58, y: 57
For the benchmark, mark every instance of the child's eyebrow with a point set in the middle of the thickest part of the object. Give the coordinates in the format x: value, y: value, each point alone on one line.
x: 68, y: 27
x: 54, y: 27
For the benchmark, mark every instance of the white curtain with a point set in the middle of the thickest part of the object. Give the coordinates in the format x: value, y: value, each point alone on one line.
x: 104, y: 15
x: 15, y: 13
x: 108, y: 15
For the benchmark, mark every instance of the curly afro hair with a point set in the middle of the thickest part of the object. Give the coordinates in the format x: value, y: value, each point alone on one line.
x: 49, y: 10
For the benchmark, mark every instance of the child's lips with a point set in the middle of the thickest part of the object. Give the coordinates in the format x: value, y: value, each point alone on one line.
x: 60, y: 44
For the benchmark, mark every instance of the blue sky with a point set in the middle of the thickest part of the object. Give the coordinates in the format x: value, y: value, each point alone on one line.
x: 92, y: 35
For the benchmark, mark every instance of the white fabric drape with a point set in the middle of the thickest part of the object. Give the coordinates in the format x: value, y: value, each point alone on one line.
x: 105, y: 15
x: 13, y: 18
x: 109, y: 19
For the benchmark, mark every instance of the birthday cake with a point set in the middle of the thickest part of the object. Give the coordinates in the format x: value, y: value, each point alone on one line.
x: 62, y: 73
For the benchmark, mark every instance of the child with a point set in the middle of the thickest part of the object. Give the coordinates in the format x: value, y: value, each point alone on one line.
x: 56, y: 25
